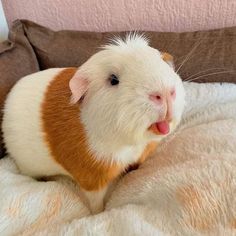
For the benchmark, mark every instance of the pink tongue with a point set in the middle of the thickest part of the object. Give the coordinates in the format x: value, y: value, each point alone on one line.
x: 163, y: 127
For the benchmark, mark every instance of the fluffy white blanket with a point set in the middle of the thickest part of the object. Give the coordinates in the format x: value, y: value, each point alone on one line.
x: 187, y: 188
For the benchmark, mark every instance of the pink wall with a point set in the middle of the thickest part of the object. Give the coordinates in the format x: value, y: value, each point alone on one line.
x: 108, y: 15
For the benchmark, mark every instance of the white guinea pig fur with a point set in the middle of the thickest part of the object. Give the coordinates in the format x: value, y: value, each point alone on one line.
x: 84, y: 126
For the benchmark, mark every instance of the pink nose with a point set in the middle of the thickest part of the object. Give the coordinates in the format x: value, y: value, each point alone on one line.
x: 165, y: 100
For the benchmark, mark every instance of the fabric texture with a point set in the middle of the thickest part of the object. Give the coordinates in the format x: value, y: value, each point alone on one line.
x: 186, y: 188
x: 17, y: 59
x: 211, y: 53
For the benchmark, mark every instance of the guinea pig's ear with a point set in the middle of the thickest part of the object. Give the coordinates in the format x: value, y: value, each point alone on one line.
x: 168, y: 59
x: 78, y: 86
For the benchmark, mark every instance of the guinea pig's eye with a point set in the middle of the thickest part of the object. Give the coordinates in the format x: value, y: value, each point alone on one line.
x: 113, y: 80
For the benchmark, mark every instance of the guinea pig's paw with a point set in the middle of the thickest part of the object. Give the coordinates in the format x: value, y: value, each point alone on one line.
x: 95, y: 200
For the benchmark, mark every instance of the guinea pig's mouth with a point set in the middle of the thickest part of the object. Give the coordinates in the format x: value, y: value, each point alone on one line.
x: 160, y: 127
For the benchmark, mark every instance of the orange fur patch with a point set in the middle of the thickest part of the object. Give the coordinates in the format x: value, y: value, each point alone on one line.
x: 166, y: 56
x: 67, y: 140
x: 150, y: 148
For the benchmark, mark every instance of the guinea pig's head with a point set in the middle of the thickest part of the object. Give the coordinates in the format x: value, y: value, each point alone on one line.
x: 128, y: 93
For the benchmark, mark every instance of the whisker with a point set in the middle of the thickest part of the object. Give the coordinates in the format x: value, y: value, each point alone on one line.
x: 202, y: 72
x: 216, y: 73
x: 189, y: 55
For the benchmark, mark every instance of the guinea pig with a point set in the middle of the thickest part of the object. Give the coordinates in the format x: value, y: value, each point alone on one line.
x: 91, y: 123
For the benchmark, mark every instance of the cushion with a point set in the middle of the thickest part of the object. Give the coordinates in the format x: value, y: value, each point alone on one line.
x: 17, y: 59
x: 209, y: 55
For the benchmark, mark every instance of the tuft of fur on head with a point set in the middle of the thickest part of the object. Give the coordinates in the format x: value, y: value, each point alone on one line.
x: 131, y: 40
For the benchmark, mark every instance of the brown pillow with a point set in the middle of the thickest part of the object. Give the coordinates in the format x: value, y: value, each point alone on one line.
x: 17, y: 59
x: 211, y: 55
